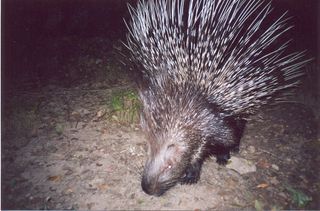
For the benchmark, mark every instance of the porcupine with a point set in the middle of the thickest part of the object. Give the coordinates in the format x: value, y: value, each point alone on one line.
x: 204, y: 66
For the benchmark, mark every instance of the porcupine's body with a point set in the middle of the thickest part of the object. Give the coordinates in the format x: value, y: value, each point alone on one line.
x: 205, y: 65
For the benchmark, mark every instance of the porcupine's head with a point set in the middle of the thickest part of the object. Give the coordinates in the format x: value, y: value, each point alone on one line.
x: 177, y: 124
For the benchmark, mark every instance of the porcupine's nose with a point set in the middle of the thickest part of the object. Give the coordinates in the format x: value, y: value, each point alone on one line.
x: 150, y: 187
x: 146, y: 186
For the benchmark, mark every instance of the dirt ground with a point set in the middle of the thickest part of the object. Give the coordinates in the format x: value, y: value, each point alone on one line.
x: 63, y: 149
x: 77, y: 159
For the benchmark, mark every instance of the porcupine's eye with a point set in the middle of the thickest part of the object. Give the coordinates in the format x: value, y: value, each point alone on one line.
x: 169, y: 165
x: 169, y: 162
x: 170, y: 146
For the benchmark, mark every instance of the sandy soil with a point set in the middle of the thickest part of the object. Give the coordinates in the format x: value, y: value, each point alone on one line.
x: 74, y: 158
x: 62, y: 148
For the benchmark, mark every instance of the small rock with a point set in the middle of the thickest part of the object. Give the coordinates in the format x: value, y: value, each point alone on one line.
x: 90, y: 187
x: 68, y: 172
x: 74, y: 207
x: 168, y: 204
x: 90, y: 205
x: 52, y: 188
x: 115, y: 118
x: 42, y: 126
x: 240, y: 165
x: 274, y: 181
x: 101, y: 113
x: 81, y: 125
x: 251, y: 149
x: 263, y: 163
x: 83, y: 112
x: 68, y: 191
x: 48, y: 198
x: 275, y: 167
x: 136, y: 129
x: 283, y: 195
x: 98, y: 61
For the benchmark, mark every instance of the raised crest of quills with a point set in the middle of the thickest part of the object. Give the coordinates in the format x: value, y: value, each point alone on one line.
x: 204, y: 67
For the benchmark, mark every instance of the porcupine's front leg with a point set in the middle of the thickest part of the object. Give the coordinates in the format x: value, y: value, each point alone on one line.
x: 233, y: 132
x: 192, y: 174
x: 223, y: 156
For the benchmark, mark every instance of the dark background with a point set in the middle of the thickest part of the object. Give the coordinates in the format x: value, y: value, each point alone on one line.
x: 34, y: 32
x: 29, y: 25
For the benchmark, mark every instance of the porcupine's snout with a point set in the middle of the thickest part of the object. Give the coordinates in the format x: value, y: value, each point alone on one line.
x: 152, y: 187
x: 164, y: 169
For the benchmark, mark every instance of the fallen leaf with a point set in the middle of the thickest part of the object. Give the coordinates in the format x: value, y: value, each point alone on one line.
x: 103, y: 187
x: 101, y: 113
x: 69, y: 190
x: 56, y: 178
x: 75, y: 115
x: 264, y: 164
x: 263, y: 185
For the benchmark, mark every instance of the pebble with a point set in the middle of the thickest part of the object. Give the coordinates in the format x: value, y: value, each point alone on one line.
x: 274, y: 181
x: 283, y: 195
x: 52, y: 189
x: 240, y: 165
x: 275, y: 167
x: 251, y: 149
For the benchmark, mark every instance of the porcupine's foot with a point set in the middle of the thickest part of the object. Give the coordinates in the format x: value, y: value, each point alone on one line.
x: 222, y: 158
x: 235, y: 149
x: 192, y: 174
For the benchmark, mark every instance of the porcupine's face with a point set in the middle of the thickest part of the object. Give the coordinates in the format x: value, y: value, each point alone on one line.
x: 165, y: 165
x: 172, y: 146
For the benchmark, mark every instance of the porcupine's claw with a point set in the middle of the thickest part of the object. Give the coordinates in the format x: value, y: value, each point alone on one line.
x: 192, y: 174
x: 222, y: 159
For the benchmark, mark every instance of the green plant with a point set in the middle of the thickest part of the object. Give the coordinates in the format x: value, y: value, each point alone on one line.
x: 125, y: 106
x: 298, y: 197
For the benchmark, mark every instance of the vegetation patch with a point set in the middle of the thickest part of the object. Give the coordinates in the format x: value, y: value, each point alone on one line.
x: 125, y: 106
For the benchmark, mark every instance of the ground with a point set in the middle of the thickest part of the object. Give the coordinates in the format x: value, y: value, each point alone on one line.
x: 64, y: 148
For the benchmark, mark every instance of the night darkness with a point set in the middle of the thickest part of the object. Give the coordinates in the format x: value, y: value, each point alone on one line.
x: 60, y: 69
x: 30, y: 25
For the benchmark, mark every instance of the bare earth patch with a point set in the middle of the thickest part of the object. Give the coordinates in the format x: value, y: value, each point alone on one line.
x: 74, y: 158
